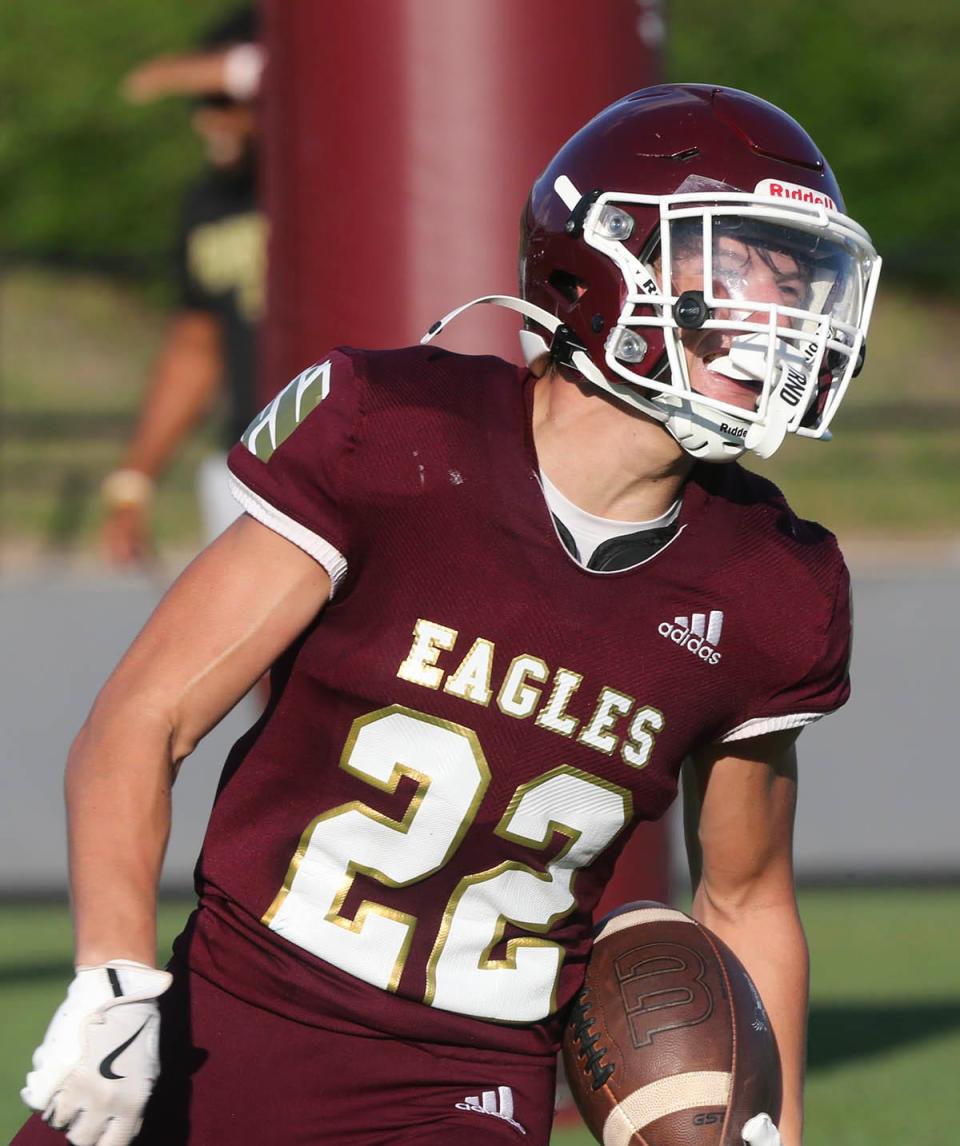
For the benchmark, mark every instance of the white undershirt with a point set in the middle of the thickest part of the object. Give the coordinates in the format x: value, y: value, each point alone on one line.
x: 590, y: 531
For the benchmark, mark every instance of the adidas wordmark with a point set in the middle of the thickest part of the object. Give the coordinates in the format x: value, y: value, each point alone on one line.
x: 698, y: 634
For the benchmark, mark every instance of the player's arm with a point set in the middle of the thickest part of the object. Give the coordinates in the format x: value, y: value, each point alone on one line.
x: 221, y: 625
x: 234, y: 71
x: 184, y: 381
x: 217, y: 630
x: 739, y: 802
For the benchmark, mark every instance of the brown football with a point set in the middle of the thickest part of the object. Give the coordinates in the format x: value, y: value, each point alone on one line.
x: 668, y: 1043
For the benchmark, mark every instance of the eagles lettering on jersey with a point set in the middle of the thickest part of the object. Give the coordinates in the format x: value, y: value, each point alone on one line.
x: 520, y: 697
x: 475, y: 722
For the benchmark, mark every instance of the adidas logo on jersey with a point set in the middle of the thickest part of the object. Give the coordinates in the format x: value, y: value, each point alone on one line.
x: 497, y: 1103
x: 699, y: 634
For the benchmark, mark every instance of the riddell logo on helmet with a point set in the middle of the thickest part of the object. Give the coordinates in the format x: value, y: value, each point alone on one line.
x: 795, y: 192
x: 734, y: 431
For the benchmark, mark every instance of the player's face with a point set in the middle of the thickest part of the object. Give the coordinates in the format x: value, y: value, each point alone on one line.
x: 742, y: 273
x: 228, y: 132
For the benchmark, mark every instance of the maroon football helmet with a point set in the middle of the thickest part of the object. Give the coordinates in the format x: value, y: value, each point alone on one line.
x: 688, y: 251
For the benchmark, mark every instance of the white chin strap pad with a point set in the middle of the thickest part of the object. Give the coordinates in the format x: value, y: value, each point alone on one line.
x: 700, y: 436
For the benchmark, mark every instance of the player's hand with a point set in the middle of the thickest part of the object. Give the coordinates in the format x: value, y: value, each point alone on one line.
x: 760, y: 1131
x: 126, y: 535
x: 127, y: 496
x: 99, y: 1059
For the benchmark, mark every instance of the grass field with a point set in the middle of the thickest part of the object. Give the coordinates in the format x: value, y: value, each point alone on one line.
x: 884, y: 1024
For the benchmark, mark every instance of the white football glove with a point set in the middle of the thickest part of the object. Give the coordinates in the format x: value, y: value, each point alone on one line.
x: 760, y: 1131
x: 95, y: 1069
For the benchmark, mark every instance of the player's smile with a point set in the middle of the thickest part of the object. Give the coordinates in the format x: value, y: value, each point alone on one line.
x: 713, y: 374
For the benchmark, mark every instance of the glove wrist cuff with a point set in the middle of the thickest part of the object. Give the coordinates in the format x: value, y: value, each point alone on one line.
x: 104, y: 985
x: 132, y: 964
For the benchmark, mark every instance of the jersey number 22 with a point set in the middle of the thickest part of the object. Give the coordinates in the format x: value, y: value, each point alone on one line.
x: 452, y: 775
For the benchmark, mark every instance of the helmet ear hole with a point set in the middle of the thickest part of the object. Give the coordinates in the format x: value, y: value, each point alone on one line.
x: 566, y: 286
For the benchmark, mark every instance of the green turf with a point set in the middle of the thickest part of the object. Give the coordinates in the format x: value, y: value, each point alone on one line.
x: 884, y: 1025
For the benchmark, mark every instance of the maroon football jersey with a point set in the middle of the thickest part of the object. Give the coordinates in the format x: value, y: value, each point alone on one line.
x: 415, y: 834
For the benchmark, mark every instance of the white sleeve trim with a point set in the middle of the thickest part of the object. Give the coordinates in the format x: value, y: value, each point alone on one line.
x: 761, y: 724
x: 320, y: 550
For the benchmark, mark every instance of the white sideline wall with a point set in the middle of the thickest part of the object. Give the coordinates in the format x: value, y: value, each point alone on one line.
x: 880, y: 782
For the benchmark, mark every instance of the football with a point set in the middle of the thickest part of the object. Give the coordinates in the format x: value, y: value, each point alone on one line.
x: 668, y: 1043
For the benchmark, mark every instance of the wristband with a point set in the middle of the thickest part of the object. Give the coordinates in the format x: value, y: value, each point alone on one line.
x: 126, y: 487
x: 242, y: 66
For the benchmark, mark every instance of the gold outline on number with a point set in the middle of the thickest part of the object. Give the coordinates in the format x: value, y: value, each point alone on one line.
x: 485, y: 962
x: 572, y: 835
x: 368, y: 907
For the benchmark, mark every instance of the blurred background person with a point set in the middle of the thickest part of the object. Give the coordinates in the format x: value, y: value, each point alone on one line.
x: 208, y: 356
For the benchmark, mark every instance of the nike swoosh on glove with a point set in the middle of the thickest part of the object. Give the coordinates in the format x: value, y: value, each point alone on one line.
x: 760, y: 1131
x: 95, y: 1069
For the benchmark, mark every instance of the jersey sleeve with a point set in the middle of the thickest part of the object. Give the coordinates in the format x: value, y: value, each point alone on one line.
x: 812, y: 687
x: 289, y: 469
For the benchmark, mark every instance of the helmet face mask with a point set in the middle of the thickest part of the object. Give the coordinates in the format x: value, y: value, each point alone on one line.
x: 778, y: 295
x: 716, y: 287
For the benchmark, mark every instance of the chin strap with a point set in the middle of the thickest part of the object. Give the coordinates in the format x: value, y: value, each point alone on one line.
x: 535, y: 345
x: 532, y: 344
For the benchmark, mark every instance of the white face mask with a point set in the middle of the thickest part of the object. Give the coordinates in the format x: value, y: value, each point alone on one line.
x: 762, y: 306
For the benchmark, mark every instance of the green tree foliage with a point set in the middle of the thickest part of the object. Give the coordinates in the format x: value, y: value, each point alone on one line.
x: 85, y: 177
x: 877, y: 84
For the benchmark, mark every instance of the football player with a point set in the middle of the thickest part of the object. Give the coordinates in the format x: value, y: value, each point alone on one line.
x: 502, y: 607
x: 209, y: 349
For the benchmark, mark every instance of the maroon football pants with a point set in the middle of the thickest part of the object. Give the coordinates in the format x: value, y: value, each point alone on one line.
x: 233, y: 1073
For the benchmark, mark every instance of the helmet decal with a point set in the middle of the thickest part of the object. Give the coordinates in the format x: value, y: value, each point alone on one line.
x: 777, y: 189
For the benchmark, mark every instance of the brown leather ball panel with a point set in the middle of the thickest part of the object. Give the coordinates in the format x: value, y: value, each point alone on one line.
x: 668, y: 1040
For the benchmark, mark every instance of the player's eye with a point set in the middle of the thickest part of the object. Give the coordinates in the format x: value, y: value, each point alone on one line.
x: 793, y: 292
